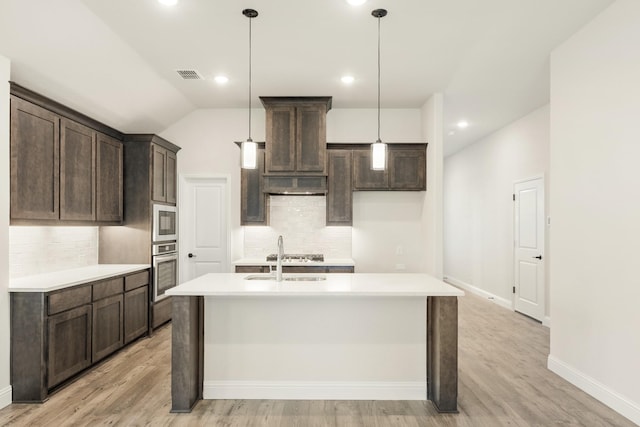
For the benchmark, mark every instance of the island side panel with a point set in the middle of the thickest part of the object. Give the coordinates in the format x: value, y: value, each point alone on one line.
x: 28, y: 344
x: 187, y: 344
x: 442, y: 353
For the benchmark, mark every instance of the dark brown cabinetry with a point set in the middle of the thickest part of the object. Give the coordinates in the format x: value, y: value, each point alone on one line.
x: 163, y: 166
x: 340, y: 192
x: 64, y: 166
x: 406, y: 169
x: 254, y: 207
x: 69, y: 335
x: 55, y: 335
x: 109, y: 172
x: 296, y: 139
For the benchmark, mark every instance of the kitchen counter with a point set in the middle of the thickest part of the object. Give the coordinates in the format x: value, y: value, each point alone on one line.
x: 334, y: 262
x: 352, y: 336
x: 48, y: 282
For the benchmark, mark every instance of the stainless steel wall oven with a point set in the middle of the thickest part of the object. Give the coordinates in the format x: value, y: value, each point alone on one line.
x: 165, y: 269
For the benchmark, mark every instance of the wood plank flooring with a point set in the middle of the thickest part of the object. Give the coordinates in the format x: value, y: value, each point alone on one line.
x: 503, y: 381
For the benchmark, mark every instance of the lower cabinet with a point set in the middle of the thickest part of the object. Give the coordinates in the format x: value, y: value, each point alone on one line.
x: 136, y: 313
x: 69, y: 335
x: 56, y: 335
x: 108, y: 316
x: 297, y: 269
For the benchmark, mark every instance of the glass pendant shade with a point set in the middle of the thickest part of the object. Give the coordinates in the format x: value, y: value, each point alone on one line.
x: 378, y: 155
x: 249, y: 150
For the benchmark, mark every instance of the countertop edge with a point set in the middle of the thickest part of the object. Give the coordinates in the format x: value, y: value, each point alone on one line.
x: 68, y: 278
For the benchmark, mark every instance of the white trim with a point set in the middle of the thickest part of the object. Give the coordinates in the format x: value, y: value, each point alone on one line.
x: 604, y: 394
x: 6, y: 397
x: 547, y: 321
x: 315, y: 390
x: 502, y: 302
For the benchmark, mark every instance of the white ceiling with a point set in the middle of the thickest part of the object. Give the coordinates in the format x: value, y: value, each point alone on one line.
x: 116, y: 60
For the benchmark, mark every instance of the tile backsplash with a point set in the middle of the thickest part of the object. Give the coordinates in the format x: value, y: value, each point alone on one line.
x: 37, y: 250
x: 301, y: 222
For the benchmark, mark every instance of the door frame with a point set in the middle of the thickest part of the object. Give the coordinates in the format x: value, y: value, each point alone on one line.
x: 545, y: 318
x: 183, y: 181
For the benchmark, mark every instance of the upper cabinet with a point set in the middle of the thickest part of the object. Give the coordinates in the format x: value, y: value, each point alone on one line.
x: 164, y: 165
x: 64, y: 167
x: 406, y: 169
x: 296, y: 141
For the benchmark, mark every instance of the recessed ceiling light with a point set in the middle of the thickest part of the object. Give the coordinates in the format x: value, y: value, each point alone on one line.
x: 347, y: 79
x: 463, y: 124
x: 168, y: 2
x: 356, y: 2
x: 221, y: 79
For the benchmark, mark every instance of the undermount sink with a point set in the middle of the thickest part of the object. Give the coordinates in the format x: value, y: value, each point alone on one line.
x: 286, y: 278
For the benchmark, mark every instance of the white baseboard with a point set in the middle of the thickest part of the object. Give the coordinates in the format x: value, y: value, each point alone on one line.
x: 6, y: 397
x: 604, y: 394
x: 314, y: 390
x: 503, y: 302
x: 546, y: 321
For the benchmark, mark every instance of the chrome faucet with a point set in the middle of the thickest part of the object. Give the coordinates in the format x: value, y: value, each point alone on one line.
x: 279, y: 259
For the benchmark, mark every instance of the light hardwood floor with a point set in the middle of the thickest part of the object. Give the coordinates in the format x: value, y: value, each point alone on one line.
x: 503, y: 381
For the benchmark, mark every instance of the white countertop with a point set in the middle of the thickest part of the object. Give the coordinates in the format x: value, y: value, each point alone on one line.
x: 63, y: 279
x: 354, y: 284
x: 334, y: 262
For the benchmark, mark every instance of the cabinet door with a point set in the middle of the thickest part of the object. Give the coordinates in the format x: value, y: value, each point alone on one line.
x: 311, y: 139
x: 35, y: 156
x: 77, y: 172
x: 254, y: 208
x: 158, y: 170
x: 253, y: 269
x: 339, y: 195
x: 171, y: 177
x: 136, y: 313
x: 280, y: 139
x: 407, y: 169
x: 107, y: 326
x: 69, y: 344
x: 365, y: 178
x: 110, y: 174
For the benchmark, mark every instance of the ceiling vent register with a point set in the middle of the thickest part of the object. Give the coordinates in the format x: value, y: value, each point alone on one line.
x: 190, y: 74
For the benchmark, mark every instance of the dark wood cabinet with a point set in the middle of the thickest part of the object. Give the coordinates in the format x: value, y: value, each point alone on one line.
x: 136, y: 313
x: 253, y: 269
x: 77, y: 171
x: 296, y: 269
x: 62, y: 167
x: 164, y: 174
x: 69, y: 350
x: 406, y: 169
x: 109, y: 171
x: 57, y: 334
x: 108, y: 326
x: 340, y: 192
x: 254, y: 202
x: 296, y: 140
x: 35, y: 162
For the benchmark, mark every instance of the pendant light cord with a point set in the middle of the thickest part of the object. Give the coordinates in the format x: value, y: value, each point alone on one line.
x: 250, y: 79
x: 379, y: 140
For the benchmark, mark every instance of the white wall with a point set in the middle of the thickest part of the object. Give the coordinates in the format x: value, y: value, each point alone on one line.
x: 478, y: 205
x: 5, y: 386
x: 206, y: 138
x: 595, y: 201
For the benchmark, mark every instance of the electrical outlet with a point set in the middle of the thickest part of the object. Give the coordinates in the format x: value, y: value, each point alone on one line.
x: 399, y: 250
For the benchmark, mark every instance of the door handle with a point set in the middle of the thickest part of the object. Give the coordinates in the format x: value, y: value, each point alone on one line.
x: 537, y: 257
x: 191, y: 255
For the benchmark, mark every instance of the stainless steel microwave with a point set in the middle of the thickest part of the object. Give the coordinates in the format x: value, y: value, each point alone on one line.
x: 165, y: 223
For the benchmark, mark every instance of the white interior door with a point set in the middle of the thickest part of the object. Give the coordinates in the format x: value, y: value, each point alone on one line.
x: 529, y: 247
x: 204, y: 227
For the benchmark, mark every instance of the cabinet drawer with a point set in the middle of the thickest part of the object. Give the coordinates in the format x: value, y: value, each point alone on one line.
x: 252, y: 269
x: 136, y: 280
x: 69, y: 298
x: 107, y: 288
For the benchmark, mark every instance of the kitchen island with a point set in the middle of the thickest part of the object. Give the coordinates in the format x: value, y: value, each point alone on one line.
x: 346, y: 336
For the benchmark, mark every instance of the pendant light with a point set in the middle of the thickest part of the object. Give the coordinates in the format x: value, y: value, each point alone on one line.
x: 249, y: 149
x: 378, y: 148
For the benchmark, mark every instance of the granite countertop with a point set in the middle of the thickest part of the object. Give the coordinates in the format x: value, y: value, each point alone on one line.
x: 333, y: 262
x: 48, y: 282
x: 335, y: 285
